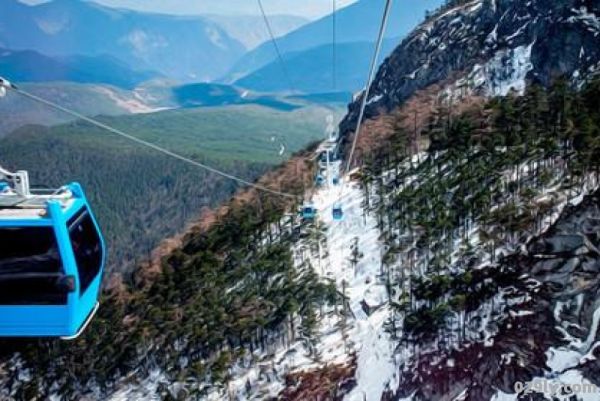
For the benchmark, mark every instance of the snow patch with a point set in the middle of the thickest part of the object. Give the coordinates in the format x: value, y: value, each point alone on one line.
x: 506, y: 71
x: 142, y: 42
x: 374, y: 99
x: 52, y: 26
x: 215, y: 37
x: 131, y: 105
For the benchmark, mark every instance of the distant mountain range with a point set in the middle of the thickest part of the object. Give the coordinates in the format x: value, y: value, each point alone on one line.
x: 250, y: 30
x: 355, y: 24
x: 84, y: 42
x: 310, y: 71
x: 32, y: 66
x: 183, y: 48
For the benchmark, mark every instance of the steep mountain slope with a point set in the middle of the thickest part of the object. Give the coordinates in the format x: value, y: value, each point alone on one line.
x: 250, y: 30
x: 468, y: 271
x: 355, y: 23
x: 193, y: 48
x: 456, y: 273
x: 24, y: 66
x: 490, y: 246
x: 488, y: 47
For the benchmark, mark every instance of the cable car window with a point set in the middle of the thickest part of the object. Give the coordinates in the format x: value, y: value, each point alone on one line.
x: 86, y: 247
x: 30, y: 267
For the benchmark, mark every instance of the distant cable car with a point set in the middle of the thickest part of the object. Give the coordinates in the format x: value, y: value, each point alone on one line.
x: 336, y: 180
x: 319, y: 180
x: 338, y: 212
x: 52, y: 257
x: 309, y: 212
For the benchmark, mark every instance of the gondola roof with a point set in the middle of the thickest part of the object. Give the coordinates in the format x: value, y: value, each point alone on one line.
x: 35, y: 208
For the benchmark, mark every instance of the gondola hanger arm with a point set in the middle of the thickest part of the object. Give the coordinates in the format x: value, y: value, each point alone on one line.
x: 19, y: 181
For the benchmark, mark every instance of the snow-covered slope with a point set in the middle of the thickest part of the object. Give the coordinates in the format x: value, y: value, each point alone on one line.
x: 376, y: 269
x: 347, y: 253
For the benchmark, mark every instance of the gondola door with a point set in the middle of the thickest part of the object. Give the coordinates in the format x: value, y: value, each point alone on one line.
x: 88, y: 255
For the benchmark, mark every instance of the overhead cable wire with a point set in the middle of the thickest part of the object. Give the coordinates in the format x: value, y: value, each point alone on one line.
x: 334, y: 44
x: 276, y: 46
x: 371, y: 77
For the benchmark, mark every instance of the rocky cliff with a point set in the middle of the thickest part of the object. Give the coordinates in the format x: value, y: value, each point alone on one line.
x: 489, y: 47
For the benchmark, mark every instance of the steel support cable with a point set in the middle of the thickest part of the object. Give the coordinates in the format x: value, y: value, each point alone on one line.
x: 334, y: 45
x: 276, y: 46
x: 371, y: 77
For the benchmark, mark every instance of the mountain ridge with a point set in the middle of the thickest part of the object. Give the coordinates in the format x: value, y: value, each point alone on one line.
x: 250, y: 30
x: 178, y: 47
x: 308, y: 74
x: 23, y: 66
x: 351, y: 27
x: 481, y: 48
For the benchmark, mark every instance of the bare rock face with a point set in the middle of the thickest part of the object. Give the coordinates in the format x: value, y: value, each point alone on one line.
x: 489, y: 47
x: 566, y: 245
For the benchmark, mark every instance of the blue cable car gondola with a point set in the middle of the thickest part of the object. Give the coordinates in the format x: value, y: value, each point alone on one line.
x: 52, y: 257
x: 309, y: 212
x: 338, y: 212
x: 336, y: 180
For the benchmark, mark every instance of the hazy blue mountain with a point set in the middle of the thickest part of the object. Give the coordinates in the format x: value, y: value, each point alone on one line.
x: 184, y: 48
x: 356, y: 23
x: 31, y: 66
x: 311, y: 72
x: 250, y: 30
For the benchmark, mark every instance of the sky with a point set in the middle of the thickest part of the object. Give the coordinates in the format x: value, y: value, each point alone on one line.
x: 310, y: 9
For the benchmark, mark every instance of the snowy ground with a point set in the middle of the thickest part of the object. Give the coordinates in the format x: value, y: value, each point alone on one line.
x: 339, y: 339
x: 376, y: 366
x: 359, y: 334
x: 564, y: 375
x: 356, y: 237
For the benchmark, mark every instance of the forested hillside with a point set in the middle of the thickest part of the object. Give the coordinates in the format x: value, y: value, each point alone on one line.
x: 460, y: 227
x: 142, y: 197
x: 227, y: 290
x: 87, y: 99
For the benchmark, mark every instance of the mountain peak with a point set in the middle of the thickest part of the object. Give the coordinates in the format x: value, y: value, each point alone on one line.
x: 187, y: 49
x: 488, y: 48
